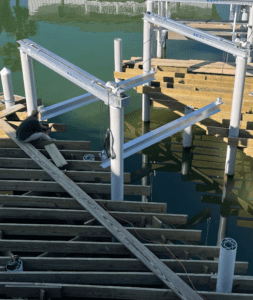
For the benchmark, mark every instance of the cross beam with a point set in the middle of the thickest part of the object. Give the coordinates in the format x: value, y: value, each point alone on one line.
x: 167, y: 130
x: 236, y: 48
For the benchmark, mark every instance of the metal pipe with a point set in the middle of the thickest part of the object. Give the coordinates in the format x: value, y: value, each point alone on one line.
x: 250, y: 30
x: 7, y: 87
x: 187, y: 136
x: 150, y: 8
x: 116, y: 147
x: 234, y: 127
x: 159, y: 47
x: 226, y: 266
x: 29, y: 82
x: 146, y: 66
x: 117, y: 57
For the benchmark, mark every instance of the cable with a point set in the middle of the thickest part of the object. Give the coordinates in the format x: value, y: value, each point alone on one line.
x: 155, y: 243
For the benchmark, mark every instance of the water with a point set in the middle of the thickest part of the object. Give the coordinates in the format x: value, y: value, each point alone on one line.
x: 86, y: 40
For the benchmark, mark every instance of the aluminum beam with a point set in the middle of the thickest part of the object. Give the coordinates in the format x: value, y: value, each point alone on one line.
x: 74, y: 74
x: 242, y: 2
x: 198, y: 35
x: 167, y: 130
x: 77, y: 102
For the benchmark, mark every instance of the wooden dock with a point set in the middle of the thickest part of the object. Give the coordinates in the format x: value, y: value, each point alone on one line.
x: 48, y: 219
x: 197, y: 83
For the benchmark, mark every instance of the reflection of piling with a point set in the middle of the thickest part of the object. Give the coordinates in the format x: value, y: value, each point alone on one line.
x: 187, y: 138
x: 186, y: 163
x: 241, y: 66
x: 145, y: 161
x: 225, y: 209
x: 7, y: 87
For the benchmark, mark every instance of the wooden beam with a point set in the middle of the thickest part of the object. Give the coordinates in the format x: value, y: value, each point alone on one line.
x: 84, y: 215
x: 79, y: 176
x: 96, y: 231
x: 104, y: 188
x: 116, y: 264
x: 70, y: 203
x: 71, y: 291
x: 138, y: 249
x: 8, y: 111
x: 56, y: 156
x: 61, y: 145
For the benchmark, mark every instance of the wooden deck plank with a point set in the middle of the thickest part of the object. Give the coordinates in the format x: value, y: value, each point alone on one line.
x: 147, y: 257
x: 70, y: 203
x: 98, y: 231
x: 56, y: 156
x: 8, y: 111
x: 116, y: 264
x: 102, y: 248
x: 52, y: 186
x: 77, y: 176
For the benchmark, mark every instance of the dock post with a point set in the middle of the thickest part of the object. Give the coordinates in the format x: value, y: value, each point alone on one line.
x: 116, y: 147
x: 234, y: 127
x: 29, y: 82
x: 145, y: 162
x: 7, y: 87
x: 146, y: 66
x: 250, y: 30
x: 150, y: 7
x: 159, y: 51
x: 226, y: 266
x: 187, y: 137
x: 186, y: 163
x: 117, y: 132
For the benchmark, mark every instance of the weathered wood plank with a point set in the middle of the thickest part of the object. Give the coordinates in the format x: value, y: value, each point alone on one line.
x: 104, y: 188
x: 116, y: 264
x: 97, y: 231
x: 110, y: 292
x: 79, y: 176
x: 70, y: 203
x: 105, y: 248
x: 8, y: 111
x: 147, y: 257
x: 67, y: 145
x: 56, y: 156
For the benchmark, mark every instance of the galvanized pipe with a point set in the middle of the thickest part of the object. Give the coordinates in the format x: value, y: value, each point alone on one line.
x: 187, y: 136
x: 7, y: 87
x: 29, y: 82
x: 250, y: 30
x: 116, y: 147
x: 234, y: 127
x: 117, y: 56
x: 146, y: 66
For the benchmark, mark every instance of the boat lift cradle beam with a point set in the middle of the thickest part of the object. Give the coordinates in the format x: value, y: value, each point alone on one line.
x: 112, y: 94
x: 155, y: 136
x: 237, y: 49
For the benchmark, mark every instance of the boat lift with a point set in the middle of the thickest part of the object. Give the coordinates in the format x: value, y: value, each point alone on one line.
x: 112, y: 94
x: 241, y: 49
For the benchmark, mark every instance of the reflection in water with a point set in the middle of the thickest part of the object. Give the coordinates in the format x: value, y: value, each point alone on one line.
x: 15, y: 21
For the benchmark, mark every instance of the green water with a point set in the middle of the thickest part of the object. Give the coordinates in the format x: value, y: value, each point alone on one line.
x: 86, y: 40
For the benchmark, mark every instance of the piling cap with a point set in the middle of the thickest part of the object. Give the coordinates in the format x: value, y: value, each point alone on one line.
x: 5, y: 71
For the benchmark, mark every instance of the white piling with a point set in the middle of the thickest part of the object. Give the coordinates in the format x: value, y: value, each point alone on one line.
x: 187, y: 137
x: 146, y: 67
x: 240, y: 73
x: 159, y: 50
x: 117, y: 134
x: 117, y: 56
x: 116, y: 147
x: 7, y: 87
x: 150, y: 8
x: 29, y: 82
x: 226, y: 266
x: 250, y: 30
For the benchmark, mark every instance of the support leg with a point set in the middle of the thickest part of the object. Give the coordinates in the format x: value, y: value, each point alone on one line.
x: 187, y: 137
x: 29, y: 82
x: 241, y: 64
x: 116, y: 147
x: 7, y: 87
